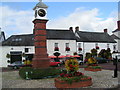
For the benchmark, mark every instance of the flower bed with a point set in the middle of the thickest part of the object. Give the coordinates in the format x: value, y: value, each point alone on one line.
x: 71, y: 78
x: 92, y: 68
x: 84, y: 82
x: 92, y: 65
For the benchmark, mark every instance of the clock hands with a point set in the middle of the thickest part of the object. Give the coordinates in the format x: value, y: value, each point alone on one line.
x: 41, y: 12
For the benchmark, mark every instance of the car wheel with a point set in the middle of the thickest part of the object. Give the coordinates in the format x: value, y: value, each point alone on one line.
x: 107, y: 61
x: 58, y: 65
x: 15, y: 67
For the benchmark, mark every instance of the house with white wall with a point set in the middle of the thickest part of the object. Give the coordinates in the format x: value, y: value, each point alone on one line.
x: 16, y: 45
x: 116, y: 36
x: 89, y: 40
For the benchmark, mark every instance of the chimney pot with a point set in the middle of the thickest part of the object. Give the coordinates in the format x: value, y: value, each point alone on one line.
x: 77, y: 28
x: 71, y: 28
x: 105, y: 30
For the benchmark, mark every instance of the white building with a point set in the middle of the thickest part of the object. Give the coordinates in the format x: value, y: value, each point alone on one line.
x: 18, y: 45
x: 116, y: 36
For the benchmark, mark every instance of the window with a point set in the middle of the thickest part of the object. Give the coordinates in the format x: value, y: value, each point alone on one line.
x: 108, y: 45
x: 114, y: 47
x: 56, y: 44
x: 17, y: 39
x: 26, y: 49
x: 79, y: 45
x: 67, y: 44
x: 13, y: 39
x: 20, y: 39
x: 96, y: 44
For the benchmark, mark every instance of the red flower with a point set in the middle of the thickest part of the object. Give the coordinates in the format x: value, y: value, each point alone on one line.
x: 56, y: 49
x: 67, y: 49
x: 78, y: 73
x: 62, y: 74
x: 97, y: 47
x: 79, y: 49
x: 66, y: 75
x: 71, y: 65
x: 89, y: 78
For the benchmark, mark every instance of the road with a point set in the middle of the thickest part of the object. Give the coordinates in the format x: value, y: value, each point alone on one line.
x: 107, y: 66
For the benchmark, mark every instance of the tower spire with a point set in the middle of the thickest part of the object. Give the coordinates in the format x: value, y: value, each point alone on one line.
x: 40, y: 0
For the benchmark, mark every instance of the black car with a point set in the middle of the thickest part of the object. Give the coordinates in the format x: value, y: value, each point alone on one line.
x: 16, y: 64
x: 102, y: 60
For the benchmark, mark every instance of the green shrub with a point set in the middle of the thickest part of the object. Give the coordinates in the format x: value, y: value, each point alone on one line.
x: 23, y: 70
x: 38, y: 73
x: 96, y: 67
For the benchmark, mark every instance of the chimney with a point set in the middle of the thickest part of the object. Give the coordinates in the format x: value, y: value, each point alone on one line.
x: 71, y: 29
x: 105, y: 30
x: 76, y: 29
x: 118, y: 23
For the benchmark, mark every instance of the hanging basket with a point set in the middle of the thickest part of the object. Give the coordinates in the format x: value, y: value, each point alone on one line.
x: 8, y: 56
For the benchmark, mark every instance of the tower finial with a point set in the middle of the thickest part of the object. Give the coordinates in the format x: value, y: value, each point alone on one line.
x: 40, y: 0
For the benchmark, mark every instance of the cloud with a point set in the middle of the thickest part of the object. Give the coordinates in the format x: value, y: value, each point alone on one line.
x: 20, y: 22
x: 16, y: 22
x: 87, y: 20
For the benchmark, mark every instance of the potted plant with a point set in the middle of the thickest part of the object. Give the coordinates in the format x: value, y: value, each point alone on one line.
x: 92, y: 65
x: 71, y: 77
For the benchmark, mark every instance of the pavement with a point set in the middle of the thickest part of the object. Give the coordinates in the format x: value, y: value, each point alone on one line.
x: 101, y: 79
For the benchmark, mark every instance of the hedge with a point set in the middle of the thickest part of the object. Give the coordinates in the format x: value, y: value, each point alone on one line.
x: 38, y: 73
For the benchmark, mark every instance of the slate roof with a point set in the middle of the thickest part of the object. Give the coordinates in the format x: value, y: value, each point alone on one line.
x: 27, y: 39
x: 100, y: 37
x: 40, y: 5
x: 115, y: 37
x: 115, y: 30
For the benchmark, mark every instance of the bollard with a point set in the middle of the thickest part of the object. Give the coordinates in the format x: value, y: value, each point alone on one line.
x: 115, y: 70
x: 26, y: 73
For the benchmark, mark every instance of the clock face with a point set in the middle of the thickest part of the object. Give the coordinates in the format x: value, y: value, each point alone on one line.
x: 41, y: 12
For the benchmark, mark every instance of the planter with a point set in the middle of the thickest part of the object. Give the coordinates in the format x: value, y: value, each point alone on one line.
x: 65, y: 84
x: 92, y: 69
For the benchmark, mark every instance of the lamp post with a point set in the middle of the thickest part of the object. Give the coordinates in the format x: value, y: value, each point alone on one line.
x: 115, y: 60
x: 57, y: 54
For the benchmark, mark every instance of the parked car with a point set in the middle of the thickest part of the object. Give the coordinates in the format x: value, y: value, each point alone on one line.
x: 16, y: 65
x: 53, y: 63
x: 80, y: 62
x: 102, y: 60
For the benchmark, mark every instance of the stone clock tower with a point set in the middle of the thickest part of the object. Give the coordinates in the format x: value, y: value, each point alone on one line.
x: 40, y: 59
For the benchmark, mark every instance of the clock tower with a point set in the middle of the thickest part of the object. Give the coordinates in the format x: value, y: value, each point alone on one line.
x: 40, y: 59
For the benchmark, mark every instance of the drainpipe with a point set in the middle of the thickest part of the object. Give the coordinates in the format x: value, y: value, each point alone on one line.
x: 83, y: 52
x: 76, y: 47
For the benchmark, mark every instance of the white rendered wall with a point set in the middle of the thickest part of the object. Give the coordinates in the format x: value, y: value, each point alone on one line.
x: 86, y: 47
x: 61, y: 45
x: 7, y: 49
x: 118, y: 41
x: 50, y: 49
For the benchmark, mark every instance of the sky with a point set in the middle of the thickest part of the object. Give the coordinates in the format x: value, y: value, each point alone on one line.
x: 17, y: 17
